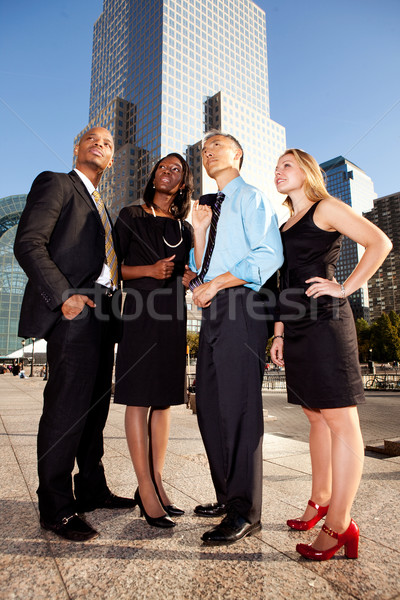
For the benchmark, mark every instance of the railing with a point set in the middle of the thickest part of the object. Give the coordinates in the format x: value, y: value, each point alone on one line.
x: 274, y: 381
x: 382, y: 381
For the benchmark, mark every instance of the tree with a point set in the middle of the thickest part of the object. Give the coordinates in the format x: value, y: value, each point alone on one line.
x: 364, y: 339
x: 395, y: 320
x: 268, y: 348
x: 385, y: 340
x: 193, y: 343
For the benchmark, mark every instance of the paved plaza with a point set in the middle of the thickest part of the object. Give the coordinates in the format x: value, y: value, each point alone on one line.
x: 130, y: 560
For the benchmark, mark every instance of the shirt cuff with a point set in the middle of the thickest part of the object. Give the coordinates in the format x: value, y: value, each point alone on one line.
x: 192, y: 262
x: 247, y: 272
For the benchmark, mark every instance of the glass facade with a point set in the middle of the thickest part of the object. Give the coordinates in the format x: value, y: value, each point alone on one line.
x: 352, y: 185
x: 383, y: 287
x: 12, y: 277
x: 193, y: 314
x: 178, y: 68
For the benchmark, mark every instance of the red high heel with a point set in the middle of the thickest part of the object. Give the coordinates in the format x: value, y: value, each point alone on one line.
x: 349, y: 539
x: 305, y: 525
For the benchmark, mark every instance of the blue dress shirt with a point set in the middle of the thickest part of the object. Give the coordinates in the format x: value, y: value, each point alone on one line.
x: 248, y: 242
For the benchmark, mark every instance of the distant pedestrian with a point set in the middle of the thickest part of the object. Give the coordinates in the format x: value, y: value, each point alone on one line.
x: 317, y: 338
x: 15, y: 368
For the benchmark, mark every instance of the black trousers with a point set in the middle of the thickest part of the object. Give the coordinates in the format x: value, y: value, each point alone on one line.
x: 230, y: 368
x: 80, y: 354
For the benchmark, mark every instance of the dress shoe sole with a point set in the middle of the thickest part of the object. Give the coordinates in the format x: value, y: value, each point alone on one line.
x: 255, y: 528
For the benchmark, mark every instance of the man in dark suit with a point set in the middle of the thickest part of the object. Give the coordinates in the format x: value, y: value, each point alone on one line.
x: 64, y: 244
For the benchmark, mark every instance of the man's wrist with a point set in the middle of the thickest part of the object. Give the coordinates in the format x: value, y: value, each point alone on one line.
x: 217, y: 283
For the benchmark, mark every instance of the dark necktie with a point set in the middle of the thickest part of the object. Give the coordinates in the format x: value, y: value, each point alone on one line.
x: 216, y: 211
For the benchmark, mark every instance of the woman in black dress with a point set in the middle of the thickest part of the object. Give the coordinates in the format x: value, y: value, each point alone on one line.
x: 153, y: 246
x: 316, y: 335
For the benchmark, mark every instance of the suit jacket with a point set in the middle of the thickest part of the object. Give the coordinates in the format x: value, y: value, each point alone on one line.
x: 208, y: 199
x: 60, y: 244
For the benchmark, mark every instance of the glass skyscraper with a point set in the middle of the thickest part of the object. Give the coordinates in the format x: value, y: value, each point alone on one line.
x: 12, y: 277
x: 352, y: 185
x: 164, y: 72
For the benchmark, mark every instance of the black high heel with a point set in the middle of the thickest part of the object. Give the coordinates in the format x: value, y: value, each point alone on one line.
x: 163, y: 521
x: 171, y: 509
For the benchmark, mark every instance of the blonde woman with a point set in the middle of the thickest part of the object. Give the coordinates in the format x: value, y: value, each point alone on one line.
x: 316, y: 341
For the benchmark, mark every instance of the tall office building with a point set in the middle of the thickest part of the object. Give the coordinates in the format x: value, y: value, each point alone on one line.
x: 384, y: 286
x: 352, y: 185
x: 164, y: 72
x: 12, y: 277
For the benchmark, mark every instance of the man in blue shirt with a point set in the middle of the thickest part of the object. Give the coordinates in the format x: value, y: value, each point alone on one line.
x: 247, y: 252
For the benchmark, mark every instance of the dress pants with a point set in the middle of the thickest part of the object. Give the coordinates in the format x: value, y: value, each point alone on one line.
x: 230, y: 368
x: 80, y: 354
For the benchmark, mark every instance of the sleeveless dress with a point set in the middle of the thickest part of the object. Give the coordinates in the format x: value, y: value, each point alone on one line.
x: 150, y: 365
x: 320, y: 347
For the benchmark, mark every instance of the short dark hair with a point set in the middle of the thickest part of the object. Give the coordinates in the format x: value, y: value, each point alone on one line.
x: 213, y: 132
x: 180, y: 206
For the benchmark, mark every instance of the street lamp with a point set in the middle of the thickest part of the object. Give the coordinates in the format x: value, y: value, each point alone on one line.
x: 371, y: 366
x: 33, y: 355
x: 23, y: 352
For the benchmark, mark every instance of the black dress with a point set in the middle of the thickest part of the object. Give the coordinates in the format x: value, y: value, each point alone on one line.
x: 150, y: 366
x: 320, y: 347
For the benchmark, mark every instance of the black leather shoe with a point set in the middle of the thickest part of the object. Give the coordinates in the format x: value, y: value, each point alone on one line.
x: 110, y: 501
x: 72, y: 528
x: 214, y: 509
x: 231, y: 529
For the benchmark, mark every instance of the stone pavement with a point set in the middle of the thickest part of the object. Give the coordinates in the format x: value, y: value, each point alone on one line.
x: 130, y: 560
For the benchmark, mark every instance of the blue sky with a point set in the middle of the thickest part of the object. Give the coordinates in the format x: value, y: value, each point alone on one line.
x: 334, y: 75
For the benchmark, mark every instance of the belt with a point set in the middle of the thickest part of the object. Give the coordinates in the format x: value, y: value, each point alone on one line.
x: 103, y: 290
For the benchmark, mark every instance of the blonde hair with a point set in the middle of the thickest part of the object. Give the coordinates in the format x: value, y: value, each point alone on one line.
x: 314, y: 184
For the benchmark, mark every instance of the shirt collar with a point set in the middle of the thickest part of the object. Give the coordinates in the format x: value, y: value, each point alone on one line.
x: 232, y: 186
x: 86, y: 182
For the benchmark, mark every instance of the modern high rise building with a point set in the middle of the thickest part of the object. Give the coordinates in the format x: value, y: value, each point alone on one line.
x: 164, y: 72
x: 12, y: 277
x: 193, y: 314
x: 352, y: 185
x: 384, y: 286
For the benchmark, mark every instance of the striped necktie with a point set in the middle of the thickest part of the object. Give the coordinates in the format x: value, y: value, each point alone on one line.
x: 111, y: 258
x: 211, y: 242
